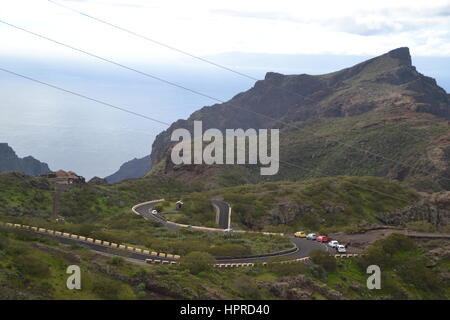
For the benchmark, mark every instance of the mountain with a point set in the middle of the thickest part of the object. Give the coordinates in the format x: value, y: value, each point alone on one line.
x: 135, y: 168
x: 9, y: 161
x: 380, y: 117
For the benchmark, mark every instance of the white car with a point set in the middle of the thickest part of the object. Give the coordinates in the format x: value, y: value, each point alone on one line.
x: 311, y: 236
x: 229, y: 230
x: 333, y: 243
x: 341, y: 248
x: 154, y: 212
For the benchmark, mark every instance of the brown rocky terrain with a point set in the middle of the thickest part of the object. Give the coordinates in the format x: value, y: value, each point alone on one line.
x: 433, y: 208
x: 380, y: 117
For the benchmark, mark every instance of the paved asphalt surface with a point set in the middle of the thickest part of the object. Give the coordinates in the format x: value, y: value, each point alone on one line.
x: 224, y: 213
x: 304, y: 247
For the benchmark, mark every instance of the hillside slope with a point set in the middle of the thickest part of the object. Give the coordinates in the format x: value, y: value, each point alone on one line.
x: 9, y: 161
x: 380, y: 117
x: 132, y: 169
x: 326, y: 204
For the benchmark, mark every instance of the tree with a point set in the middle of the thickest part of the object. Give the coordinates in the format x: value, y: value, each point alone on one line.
x: 197, y: 262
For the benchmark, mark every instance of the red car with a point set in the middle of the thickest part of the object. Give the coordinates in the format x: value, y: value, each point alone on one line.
x: 322, y: 239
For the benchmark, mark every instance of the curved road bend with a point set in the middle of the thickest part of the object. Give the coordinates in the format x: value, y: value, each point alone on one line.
x: 304, y: 247
x: 224, y: 213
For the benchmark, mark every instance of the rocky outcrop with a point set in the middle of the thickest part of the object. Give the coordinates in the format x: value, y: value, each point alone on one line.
x: 299, y: 288
x: 132, y: 169
x: 9, y: 161
x: 434, y: 208
x: 97, y: 181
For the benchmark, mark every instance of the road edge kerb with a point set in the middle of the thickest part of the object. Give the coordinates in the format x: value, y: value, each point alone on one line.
x: 103, y: 243
x: 263, y: 255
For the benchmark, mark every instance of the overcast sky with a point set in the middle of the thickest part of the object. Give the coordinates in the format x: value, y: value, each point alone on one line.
x: 211, y: 27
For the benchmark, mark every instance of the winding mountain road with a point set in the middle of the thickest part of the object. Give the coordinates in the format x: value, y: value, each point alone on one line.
x: 301, y: 249
x: 302, y: 246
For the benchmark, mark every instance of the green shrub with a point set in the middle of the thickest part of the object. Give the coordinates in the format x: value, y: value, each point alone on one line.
x: 4, y: 241
x: 247, y: 288
x: 420, y: 226
x: 287, y: 269
x: 197, y: 262
x: 32, y: 266
x: 45, y: 290
x: 117, y: 261
x: 397, y: 242
x: 384, y: 252
x: 323, y: 259
x: 106, y: 289
x: 230, y: 250
x: 25, y: 235
x: 413, y: 270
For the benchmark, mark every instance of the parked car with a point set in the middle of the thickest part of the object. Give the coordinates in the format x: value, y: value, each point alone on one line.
x: 341, y: 248
x: 322, y: 238
x: 154, y: 211
x: 333, y: 243
x: 311, y: 236
x: 300, y: 234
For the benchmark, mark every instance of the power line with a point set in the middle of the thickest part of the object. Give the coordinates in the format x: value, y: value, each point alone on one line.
x: 206, y: 95
x: 155, y: 41
x: 167, y: 124
x: 160, y: 43
x: 84, y: 96
x: 113, y: 62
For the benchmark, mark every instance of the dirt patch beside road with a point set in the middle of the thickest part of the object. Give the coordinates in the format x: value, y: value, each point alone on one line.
x: 359, y: 241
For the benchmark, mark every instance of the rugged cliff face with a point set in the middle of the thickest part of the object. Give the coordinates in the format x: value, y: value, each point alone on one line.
x: 9, y: 161
x: 386, y: 82
x: 383, y: 105
x: 135, y: 168
x: 433, y: 208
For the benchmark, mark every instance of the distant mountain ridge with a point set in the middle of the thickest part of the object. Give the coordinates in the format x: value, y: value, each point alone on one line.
x: 292, y: 98
x: 132, y: 169
x: 9, y: 161
x: 382, y: 105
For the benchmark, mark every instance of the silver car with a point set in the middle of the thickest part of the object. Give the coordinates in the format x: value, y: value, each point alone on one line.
x: 311, y: 236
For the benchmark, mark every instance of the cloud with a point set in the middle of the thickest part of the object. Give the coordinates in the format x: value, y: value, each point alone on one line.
x: 364, y: 22
x: 205, y: 27
x: 266, y: 15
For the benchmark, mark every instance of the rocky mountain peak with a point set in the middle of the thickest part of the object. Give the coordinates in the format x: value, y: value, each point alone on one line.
x: 387, y: 83
x: 9, y: 161
x: 402, y: 55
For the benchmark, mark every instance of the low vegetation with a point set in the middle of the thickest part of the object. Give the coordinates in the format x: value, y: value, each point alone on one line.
x: 104, y: 212
x: 326, y: 205
x: 34, y: 267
